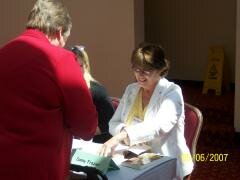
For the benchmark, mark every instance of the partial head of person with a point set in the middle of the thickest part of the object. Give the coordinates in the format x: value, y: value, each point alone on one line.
x: 83, y: 60
x: 82, y: 57
x: 51, y: 18
x: 149, y: 64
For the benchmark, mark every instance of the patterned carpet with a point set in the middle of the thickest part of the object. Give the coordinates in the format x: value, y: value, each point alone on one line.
x: 216, y: 142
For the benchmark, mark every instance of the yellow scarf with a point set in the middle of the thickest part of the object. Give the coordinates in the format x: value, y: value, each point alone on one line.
x: 137, y: 109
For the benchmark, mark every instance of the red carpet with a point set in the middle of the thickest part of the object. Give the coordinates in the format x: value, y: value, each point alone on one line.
x: 217, y: 136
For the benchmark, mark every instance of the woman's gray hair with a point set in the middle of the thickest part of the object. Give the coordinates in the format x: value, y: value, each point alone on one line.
x: 49, y: 16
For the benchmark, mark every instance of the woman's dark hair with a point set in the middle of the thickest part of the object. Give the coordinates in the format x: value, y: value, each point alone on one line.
x: 82, y: 57
x: 150, y: 57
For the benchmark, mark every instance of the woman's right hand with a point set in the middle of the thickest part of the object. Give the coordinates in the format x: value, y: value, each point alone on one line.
x: 109, y: 146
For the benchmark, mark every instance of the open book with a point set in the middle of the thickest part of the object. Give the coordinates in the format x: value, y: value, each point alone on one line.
x: 141, y: 161
x: 94, y: 148
x: 134, y: 151
x: 122, y: 152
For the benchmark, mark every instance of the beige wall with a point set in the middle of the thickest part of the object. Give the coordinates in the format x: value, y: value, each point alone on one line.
x: 106, y: 28
x: 13, y: 16
x: 186, y: 28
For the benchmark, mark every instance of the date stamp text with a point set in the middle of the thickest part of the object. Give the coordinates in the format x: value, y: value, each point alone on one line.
x: 206, y: 157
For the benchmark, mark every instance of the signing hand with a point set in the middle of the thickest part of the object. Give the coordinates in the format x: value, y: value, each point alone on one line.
x: 109, y: 146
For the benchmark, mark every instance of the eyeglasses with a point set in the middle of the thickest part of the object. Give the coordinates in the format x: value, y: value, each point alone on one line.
x: 141, y: 71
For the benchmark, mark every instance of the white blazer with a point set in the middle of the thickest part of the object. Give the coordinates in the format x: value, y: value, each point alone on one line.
x: 163, y: 125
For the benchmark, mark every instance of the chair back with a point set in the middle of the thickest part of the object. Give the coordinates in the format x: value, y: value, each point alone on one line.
x: 115, y: 102
x: 193, y: 126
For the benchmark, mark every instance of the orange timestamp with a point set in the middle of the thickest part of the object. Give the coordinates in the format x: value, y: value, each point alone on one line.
x: 204, y: 157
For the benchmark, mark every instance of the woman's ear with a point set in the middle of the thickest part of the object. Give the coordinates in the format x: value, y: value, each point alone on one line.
x: 58, y: 34
x: 60, y: 38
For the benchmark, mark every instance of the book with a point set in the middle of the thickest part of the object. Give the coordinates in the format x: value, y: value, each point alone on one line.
x: 141, y: 161
x: 135, y: 151
x: 94, y: 148
x: 132, y: 151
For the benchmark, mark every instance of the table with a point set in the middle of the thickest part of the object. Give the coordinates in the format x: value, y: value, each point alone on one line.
x: 164, y: 168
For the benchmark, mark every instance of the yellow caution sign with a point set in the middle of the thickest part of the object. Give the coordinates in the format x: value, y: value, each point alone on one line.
x: 214, y: 74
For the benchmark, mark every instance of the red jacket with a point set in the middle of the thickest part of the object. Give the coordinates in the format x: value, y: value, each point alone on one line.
x: 44, y: 101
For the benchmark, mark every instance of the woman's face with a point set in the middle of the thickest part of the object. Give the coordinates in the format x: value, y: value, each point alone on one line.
x: 147, y: 79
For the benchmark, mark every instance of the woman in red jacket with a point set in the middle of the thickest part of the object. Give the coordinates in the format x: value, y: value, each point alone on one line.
x: 44, y: 99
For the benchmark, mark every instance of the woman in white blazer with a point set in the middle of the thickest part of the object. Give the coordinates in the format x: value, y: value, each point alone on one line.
x: 151, y: 110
